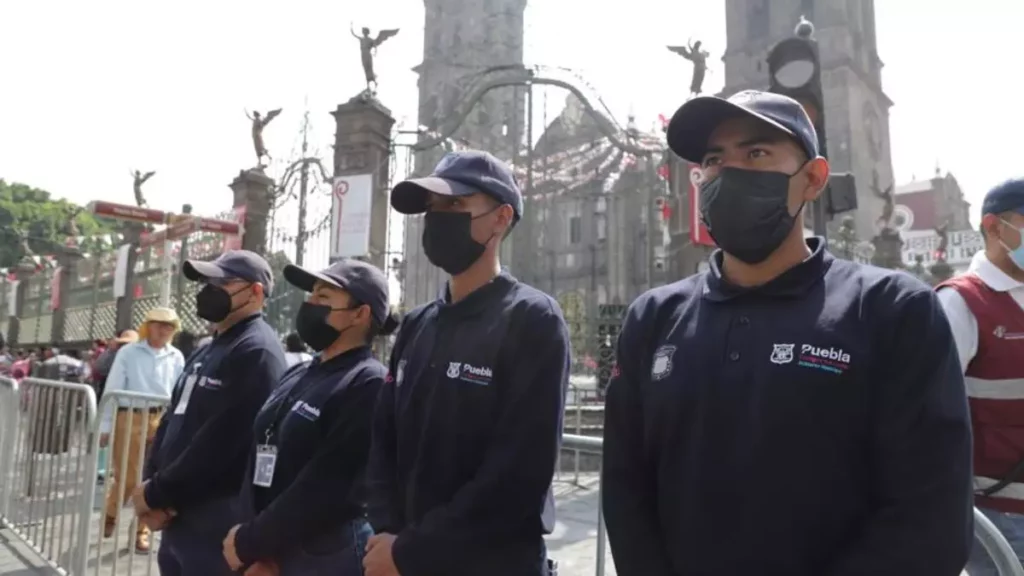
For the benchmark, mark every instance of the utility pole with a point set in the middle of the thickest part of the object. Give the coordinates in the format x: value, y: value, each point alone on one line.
x: 300, y: 239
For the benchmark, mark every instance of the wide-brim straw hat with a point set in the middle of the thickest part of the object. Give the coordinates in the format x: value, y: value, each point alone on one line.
x: 160, y: 314
x: 127, y: 337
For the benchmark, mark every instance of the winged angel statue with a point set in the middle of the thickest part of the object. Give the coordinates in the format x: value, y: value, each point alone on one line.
x: 138, y: 179
x: 367, y: 49
x: 259, y: 122
x: 693, y: 52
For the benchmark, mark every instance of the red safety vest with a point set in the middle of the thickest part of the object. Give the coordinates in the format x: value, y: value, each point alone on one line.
x: 995, y: 390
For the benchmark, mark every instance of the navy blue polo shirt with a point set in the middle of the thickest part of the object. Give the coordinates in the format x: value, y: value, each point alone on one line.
x: 467, y: 432
x: 816, y: 425
x: 201, y: 448
x: 319, y: 421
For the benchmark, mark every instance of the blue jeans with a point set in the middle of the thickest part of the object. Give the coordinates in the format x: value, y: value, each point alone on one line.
x: 1012, y: 527
x: 337, y: 554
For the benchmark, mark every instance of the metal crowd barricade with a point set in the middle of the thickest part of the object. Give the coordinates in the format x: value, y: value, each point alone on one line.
x: 124, y: 420
x: 9, y: 401
x: 985, y: 531
x: 995, y: 544
x: 44, y: 460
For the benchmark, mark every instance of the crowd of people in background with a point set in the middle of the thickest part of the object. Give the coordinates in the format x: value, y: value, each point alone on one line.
x: 91, y: 363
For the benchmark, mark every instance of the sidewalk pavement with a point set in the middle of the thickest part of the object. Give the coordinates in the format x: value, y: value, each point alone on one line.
x: 16, y: 559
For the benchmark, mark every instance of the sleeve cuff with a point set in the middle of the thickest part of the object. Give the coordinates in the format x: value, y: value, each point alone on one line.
x: 410, y: 556
x: 156, y: 497
x: 246, y: 544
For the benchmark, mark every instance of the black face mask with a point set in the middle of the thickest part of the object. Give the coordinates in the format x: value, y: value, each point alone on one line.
x: 311, y: 324
x: 448, y: 242
x: 213, y: 303
x: 747, y: 212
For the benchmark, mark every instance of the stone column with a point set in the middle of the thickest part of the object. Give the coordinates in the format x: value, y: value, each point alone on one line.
x: 362, y: 145
x: 255, y: 190
x: 68, y: 262
x: 14, y: 322
x: 888, y: 249
x: 179, y: 286
x: 123, y: 319
x: 941, y: 271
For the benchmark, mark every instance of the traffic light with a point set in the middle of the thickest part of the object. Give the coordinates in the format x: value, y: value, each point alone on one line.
x: 794, y: 70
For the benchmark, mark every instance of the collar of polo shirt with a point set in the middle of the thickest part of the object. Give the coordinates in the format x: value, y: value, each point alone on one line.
x: 478, y: 300
x: 793, y: 282
x: 991, y: 275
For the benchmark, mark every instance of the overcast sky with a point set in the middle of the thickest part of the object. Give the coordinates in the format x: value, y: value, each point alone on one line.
x: 94, y: 88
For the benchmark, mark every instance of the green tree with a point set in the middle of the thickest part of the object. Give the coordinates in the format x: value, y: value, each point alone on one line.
x: 31, y: 212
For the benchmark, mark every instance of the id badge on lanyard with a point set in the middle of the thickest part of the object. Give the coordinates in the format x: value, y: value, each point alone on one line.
x: 266, y: 453
x: 190, y: 383
x: 266, y: 461
x: 186, y: 393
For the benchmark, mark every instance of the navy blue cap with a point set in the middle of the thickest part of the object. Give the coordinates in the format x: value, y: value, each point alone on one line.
x: 460, y: 174
x: 692, y: 125
x: 233, y: 264
x: 363, y: 281
x: 1006, y: 197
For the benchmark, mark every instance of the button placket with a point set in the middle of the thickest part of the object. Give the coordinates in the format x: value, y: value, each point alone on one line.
x: 739, y: 335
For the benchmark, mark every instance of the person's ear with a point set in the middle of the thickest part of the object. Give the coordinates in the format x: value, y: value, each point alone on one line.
x: 816, y: 173
x: 363, y: 315
x: 991, y: 224
x: 504, y: 220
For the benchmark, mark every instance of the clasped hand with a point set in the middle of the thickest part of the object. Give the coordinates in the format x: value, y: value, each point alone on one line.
x: 378, y: 560
x: 155, y: 520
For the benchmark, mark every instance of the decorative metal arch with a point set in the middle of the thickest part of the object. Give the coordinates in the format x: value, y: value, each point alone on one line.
x: 514, y: 75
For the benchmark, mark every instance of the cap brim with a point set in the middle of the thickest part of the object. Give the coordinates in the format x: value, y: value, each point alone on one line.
x: 305, y: 279
x: 692, y: 124
x: 410, y: 196
x: 196, y: 270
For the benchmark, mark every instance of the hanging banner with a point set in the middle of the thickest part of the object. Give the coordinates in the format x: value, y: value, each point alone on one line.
x: 12, y: 297
x: 234, y: 242
x: 961, y: 246
x: 351, y: 211
x: 55, y: 288
x: 698, y: 231
x: 121, y: 271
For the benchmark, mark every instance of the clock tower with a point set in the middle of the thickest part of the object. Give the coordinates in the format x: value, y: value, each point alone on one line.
x: 856, y: 107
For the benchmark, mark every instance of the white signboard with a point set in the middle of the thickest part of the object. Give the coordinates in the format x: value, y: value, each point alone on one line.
x: 963, y: 244
x: 351, y: 208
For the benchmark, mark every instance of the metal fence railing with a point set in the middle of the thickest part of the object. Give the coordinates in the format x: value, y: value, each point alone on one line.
x: 122, y: 433
x: 53, y: 441
x: 46, y: 457
x: 985, y: 531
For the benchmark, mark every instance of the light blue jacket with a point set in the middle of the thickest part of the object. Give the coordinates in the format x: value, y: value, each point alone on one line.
x: 138, y: 367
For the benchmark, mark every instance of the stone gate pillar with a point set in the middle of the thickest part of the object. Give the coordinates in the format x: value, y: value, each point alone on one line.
x: 123, y: 319
x: 14, y: 322
x: 362, y: 145
x: 888, y: 249
x: 254, y: 190
x: 68, y: 262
